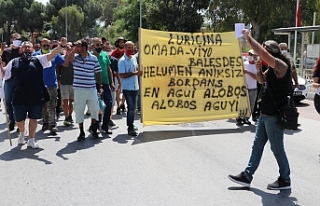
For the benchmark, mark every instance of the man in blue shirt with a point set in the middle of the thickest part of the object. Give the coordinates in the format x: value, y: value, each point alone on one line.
x: 50, y: 80
x: 128, y: 71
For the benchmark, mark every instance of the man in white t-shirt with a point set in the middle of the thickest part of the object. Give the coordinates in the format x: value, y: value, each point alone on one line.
x: 28, y: 94
x: 250, y: 71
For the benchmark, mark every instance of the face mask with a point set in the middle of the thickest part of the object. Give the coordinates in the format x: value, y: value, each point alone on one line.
x: 45, y: 51
x: 16, y: 43
x: 284, y: 52
x: 109, y: 53
x: 98, y: 50
x: 264, y: 63
x: 129, y: 52
x: 250, y: 58
x: 27, y: 55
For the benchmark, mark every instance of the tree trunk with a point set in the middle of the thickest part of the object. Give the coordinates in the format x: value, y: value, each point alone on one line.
x: 256, y: 27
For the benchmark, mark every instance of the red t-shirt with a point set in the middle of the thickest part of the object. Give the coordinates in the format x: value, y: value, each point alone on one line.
x: 117, y: 53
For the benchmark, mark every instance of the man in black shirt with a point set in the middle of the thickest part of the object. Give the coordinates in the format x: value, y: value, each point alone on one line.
x: 26, y: 73
x: 7, y: 55
x: 274, y: 71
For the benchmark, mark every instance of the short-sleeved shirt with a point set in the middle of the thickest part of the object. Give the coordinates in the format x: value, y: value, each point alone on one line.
x: 49, y: 74
x: 66, y: 74
x: 8, y: 54
x: 84, y: 71
x: 104, y: 62
x: 117, y: 53
x: 277, y: 89
x: 251, y: 82
x: 316, y: 73
x: 128, y: 65
x: 27, y: 82
x: 114, y: 66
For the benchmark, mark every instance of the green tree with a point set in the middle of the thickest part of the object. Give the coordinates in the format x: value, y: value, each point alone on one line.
x: 109, y: 8
x: 263, y: 16
x: 92, y: 10
x: 75, y: 20
x: 176, y: 15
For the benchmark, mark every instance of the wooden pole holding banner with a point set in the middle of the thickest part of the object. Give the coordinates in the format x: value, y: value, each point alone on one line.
x: 4, y: 103
x: 140, y: 67
x: 7, y: 121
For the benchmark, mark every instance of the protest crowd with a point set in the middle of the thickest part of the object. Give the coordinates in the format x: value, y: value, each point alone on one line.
x: 54, y: 78
x: 96, y: 78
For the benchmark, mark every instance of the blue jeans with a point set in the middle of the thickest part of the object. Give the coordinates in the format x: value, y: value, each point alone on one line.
x: 107, y: 98
x: 8, y: 89
x: 131, y: 98
x: 267, y: 129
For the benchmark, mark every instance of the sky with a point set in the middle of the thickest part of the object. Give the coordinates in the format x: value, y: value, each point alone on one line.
x: 43, y: 1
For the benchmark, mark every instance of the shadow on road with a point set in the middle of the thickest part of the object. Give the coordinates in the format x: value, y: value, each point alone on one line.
x: 17, y: 153
x: 151, y: 136
x: 282, y: 198
x: 302, y: 104
x: 75, y: 146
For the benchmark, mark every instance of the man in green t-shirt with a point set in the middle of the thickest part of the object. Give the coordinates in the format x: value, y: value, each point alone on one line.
x: 107, y: 83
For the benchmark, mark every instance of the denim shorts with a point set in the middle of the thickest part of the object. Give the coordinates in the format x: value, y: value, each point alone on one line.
x: 21, y: 111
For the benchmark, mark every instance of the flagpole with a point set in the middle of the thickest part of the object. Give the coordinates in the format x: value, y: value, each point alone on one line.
x: 295, y: 38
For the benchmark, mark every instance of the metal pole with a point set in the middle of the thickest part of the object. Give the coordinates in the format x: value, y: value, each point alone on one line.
x: 295, y: 36
x: 66, y: 18
x: 314, y: 23
x: 301, y: 55
x: 140, y: 13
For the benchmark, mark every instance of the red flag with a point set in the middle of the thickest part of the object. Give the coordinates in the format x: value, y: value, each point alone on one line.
x: 298, y: 14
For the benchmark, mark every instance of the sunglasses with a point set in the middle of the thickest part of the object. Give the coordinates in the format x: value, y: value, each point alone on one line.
x: 17, y: 39
x: 45, y: 45
x: 97, y: 45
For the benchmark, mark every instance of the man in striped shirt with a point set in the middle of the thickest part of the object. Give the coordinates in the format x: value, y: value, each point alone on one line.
x: 86, y: 67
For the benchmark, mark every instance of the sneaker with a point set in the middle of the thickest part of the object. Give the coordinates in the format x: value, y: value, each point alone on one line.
x: 240, y: 179
x: 45, y: 127
x: 81, y: 137
x: 66, y: 122
x: 106, y: 129
x: 246, y: 121
x: 53, y: 130
x: 93, y: 130
x: 111, y: 123
x: 239, y: 122
x: 132, y: 132
x: 279, y: 184
x: 123, y: 108
x: 11, y: 126
x: 70, y: 119
x: 118, y: 111
x: 21, y: 139
x: 32, y: 144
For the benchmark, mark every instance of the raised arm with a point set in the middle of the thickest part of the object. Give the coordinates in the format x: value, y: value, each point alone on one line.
x: 58, y: 49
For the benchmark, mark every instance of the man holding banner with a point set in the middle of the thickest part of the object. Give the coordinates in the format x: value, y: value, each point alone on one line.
x: 274, y: 71
x: 127, y: 66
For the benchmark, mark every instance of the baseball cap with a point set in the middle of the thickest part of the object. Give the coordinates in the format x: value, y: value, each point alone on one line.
x: 251, y: 51
x: 272, y: 46
x: 82, y: 42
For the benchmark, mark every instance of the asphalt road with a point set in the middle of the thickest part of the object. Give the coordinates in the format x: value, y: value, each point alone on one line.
x: 165, y: 165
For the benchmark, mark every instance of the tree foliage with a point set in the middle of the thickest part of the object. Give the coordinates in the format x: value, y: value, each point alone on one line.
x: 263, y: 16
x: 75, y: 18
